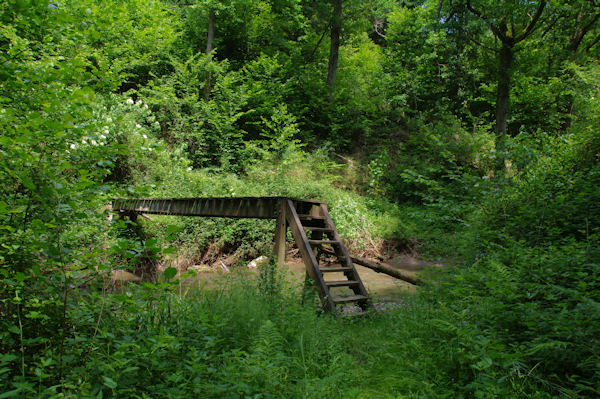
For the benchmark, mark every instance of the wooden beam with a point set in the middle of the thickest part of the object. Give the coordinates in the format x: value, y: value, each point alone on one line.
x: 280, y: 233
x: 382, y: 268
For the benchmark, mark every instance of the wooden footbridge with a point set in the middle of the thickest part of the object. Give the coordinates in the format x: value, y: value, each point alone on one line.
x: 310, y: 223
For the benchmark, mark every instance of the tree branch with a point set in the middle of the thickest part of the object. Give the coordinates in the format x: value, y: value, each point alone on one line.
x: 549, y: 27
x: 312, y: 53
x: 376, y: 26
x: 471, y: 38
x: 501, y: 35
x: 592, y: 44
x: 579, y: 34
x: 590, y: 24
x: 531, y: 26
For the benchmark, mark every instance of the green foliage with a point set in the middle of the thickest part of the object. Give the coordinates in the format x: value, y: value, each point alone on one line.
x: 58, y: 152
x: 362, y: 222
x: 224, y: 344
x: 439, y: 165
x: 117, y: 98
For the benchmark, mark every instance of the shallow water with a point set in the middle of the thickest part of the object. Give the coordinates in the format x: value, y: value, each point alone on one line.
x: 379, y: 285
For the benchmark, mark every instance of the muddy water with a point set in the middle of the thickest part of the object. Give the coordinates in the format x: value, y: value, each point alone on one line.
x: 381, y: 287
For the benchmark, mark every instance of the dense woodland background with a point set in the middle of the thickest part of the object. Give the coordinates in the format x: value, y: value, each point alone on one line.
x: 464, y: 131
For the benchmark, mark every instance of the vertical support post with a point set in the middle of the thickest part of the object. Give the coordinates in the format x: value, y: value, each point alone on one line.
x: 280, y: 232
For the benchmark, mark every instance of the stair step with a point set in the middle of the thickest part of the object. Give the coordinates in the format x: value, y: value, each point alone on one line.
x: 325, y: 229
x: 320, y: 242
x: 303, y: 216
x: 334, y: 269
x: 342, y: 283
x: 351, y: 298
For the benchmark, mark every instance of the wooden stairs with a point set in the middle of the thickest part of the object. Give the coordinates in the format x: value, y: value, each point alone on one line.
x: 313, y: 230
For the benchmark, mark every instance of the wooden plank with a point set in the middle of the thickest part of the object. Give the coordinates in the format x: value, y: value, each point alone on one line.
x: 335, y: 269
x: 352, y: 298
x: 322, y: 229
x: 238, y: 207
x: 310, y: 262
x: 341, y: 283
x: 308, y: 216
x: 321, y: 242
x: 244, y: 207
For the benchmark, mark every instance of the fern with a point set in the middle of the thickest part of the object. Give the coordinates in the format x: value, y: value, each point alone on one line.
x: 268, y: 343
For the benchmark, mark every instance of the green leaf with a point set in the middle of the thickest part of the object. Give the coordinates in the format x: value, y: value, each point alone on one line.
x: 14, y: 329
x: 27, y: 183
x: 109, y: 382
x: 170, y: 272
x: 151, y: 243
x: 10, y: 394
x: 172, y: 229
x: 169, y: 250
x: 483, y: 364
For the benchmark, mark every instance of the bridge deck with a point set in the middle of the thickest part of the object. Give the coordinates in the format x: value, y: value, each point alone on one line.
x: 229, y: 207
x: 303, y: 216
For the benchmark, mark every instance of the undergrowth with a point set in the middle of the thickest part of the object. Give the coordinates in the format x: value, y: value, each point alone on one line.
x: 253, y: 337
x: 366, y: 224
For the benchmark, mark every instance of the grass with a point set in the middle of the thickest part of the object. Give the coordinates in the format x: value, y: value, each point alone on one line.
x: 238, y: 341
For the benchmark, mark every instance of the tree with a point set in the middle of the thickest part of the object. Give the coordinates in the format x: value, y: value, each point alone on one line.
x: 577, y: 20
x: 209, y: 48
x: 584, y: 18
x: 336, y: 29
x: 506, y: 25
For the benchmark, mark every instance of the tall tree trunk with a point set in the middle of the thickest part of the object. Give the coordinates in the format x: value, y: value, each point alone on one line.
x: 504, y: 65
x: 502, y: 99
x: 209, y: 47
x: 509, y: 38
x: 336, y: 29
x: 211, y: 32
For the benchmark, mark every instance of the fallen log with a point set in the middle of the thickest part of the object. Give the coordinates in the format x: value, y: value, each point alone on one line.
x: 381, y: 268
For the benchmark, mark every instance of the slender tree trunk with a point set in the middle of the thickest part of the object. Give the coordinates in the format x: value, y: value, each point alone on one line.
x: 509, y: 38
x: 336, y: 28
x: 504, y: 65
x: 209, y: 47
x: 211, y: 32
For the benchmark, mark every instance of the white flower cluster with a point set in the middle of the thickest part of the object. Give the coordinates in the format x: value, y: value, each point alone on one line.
x: 98, y: 139
x: 139, y: 103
